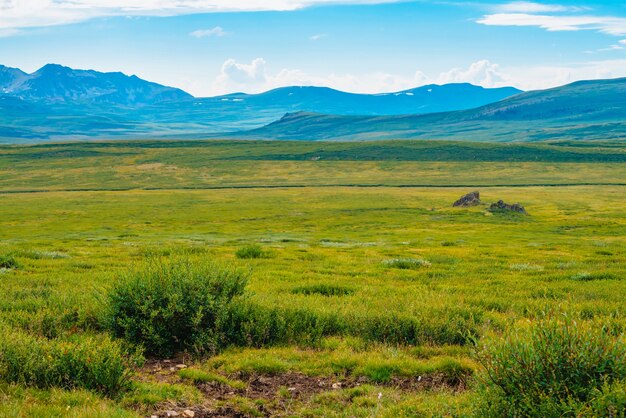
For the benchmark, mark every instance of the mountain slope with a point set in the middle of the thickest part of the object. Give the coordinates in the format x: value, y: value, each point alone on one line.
x: 588, y: 109
x: 425, y: 99
x: 10, y: 76
x: 57, y: 84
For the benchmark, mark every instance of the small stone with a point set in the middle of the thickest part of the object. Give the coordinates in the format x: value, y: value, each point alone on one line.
x: 336, y: 385
x: 172, y: 413
x: 419, y: 378
x: 189, y: 413
x: 181, y: 366
x: 172, y: 369
x: 154, y: 416
x: 167, y: 361
x: 291, y: 389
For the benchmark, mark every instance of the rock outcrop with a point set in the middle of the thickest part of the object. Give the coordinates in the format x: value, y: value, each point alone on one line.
x: 501, y: 206
x: 470, y: 199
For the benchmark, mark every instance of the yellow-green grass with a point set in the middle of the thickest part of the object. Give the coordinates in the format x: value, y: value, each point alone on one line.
x: 482, y: 272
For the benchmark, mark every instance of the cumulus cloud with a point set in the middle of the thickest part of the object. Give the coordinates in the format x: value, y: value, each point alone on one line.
x: 15, y: 14
x: 207, y: 33
x: 254, y: 77
x: 236, y: 76
x: 481, y: 73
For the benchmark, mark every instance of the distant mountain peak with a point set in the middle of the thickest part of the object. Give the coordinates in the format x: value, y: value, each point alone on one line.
x: 55, y: 83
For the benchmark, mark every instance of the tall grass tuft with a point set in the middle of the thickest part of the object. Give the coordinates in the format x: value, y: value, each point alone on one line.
x: 251, y: 252
x: 323, y: 290
x: 8, y: 261
x: 406, y: 263
x: 171, y: 306
x: 93, y: 363
x: 554, y: 368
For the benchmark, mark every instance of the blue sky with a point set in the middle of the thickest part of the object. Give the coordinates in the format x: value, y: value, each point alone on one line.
x: 210, y: 47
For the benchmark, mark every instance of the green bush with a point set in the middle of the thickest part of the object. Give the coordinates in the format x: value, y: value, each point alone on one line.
x: 406, y: 263
x: 587, y: 277
x: 170, y: 306
x: 250, y: 251
x: 323, y: 289
x: 251, y: 325
x: 8, y: 261
x: 555, y: 368
x: 93, y: 363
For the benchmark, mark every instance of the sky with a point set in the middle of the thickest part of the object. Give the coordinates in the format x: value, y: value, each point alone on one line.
x: 212, y: 47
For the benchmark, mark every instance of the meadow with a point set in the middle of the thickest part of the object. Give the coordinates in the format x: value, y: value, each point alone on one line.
x: 360, y: 290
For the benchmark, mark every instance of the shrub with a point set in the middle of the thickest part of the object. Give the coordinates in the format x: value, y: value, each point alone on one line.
x: 169, y: 306
x: 251, y: 325
x: 555, y: 368
x: 39, y: 255
x: 323, y: 289
x: 93, y: 363
x: 250, y: 251
x: 406, y: 263
x: 587, y: 277
x: 7, y: 261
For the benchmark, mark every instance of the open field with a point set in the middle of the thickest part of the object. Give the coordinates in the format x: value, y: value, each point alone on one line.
x: 392, y: 284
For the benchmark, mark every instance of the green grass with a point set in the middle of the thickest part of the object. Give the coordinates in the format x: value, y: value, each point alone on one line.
x: 328, y: 303
x: 200, y: 376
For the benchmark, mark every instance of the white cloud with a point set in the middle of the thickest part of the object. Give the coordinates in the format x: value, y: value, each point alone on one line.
x: 605, y: 24
x: 318, y: 36
x: 532, y: 7
x: 207, y: 33
x: 235, y: 76
x: 15, y: 14
x: 255, y: 77
x: 481, y: 73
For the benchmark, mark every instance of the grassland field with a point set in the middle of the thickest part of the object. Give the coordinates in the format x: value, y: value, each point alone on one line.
x: 334, y: 223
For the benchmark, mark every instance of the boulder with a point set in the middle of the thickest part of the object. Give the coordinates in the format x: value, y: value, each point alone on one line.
x: 470, y: 199
x: 501, y: 206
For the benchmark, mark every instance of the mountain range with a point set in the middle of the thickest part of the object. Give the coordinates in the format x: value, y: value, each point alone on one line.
x: 581, y: 110
x: 57, y: 102
x: 54, y: 83
x: 60, y: 103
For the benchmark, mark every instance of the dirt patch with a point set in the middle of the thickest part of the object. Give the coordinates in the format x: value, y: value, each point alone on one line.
x: 277, y: 389
x: 162, y: 371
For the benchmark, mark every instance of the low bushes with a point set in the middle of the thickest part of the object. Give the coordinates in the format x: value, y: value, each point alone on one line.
x: 554, y: 368
x: 251, y: 252
x: 93, y: 363
x: 406, y: 263
x: 173, y: 306
x: 170, y: 306
x: 323, y: 289
x: 8, y: 261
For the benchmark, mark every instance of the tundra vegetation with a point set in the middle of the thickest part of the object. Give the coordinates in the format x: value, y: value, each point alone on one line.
x: 299, y: 279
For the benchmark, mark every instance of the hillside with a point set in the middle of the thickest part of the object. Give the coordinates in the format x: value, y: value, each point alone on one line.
x: 582, y: 110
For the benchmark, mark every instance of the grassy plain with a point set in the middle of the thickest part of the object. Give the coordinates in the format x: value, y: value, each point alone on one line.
x: 75, y: 217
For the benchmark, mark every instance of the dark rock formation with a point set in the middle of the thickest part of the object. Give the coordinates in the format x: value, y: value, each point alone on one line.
x: 501, y: 206
x: 470, y: 199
